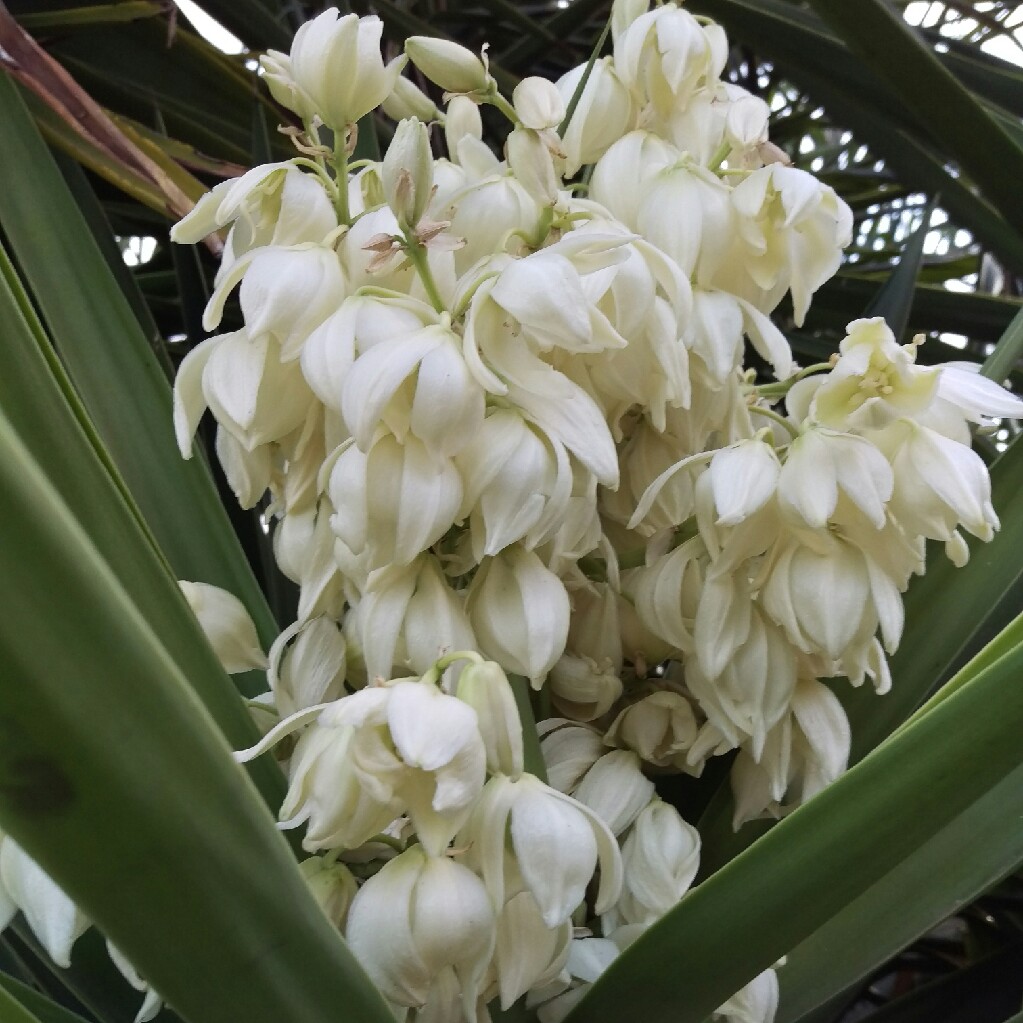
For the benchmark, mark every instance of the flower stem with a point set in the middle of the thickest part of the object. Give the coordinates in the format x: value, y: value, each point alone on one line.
x: 416, y: 253
x: 782, y: 387
x: 495, y: 99
x: 341, y: 169
x: 772, y: 415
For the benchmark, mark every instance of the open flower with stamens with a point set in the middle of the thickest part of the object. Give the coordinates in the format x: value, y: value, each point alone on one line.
x: 367, y: 758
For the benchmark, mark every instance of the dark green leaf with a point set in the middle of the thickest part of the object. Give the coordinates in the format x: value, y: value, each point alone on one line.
x: 895, y: 299
x: 112, y: 366
x: 44, y: 1010
x: 203, y: 896
x: 952, y: 115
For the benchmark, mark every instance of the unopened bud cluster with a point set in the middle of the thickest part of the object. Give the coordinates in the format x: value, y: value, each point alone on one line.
x: 507, y: 429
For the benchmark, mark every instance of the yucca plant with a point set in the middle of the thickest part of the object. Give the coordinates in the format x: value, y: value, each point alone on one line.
x: 406, y: 557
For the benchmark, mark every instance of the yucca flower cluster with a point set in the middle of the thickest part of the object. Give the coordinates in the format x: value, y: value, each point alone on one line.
x: 530, y: 437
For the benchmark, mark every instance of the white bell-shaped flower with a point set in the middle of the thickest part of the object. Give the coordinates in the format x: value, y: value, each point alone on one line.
x: 53, y: 918
x: 518, y: 483
x: 939, y: 483
x: 336, y: 63
x: 743, y: 477
x: 622, y: 176
x: 519, y: 611
x: 549, y: 292
x: 569, y: 751
x: 416, y: 382
x: 874, y: 381
x: 227, y: 625
x: 361, y: 322
x: 757, y: 1002
x: 820, y: 462
x: 723, y: 118
x: 485, y: 688
x: 418, y: 918
x: 661, y: 728
x: 492, y: 214
x: 603, y: 113
x: 696, y: 237
x: 822, y: 595
x: 252, y: 394
x: 529, y: 954
x: 615, y: 789
x: 556, y: 843
x: 383, y: 751
x: 273, y: 204
x: 806, y: 751
x: 660, y: 858
x: 436, y: 623
x: 666, y: 54
x: 307, y: 665
x: 286, y: 293
x: 790, y: 230
x: 754, y: 689
x: 395, y: 501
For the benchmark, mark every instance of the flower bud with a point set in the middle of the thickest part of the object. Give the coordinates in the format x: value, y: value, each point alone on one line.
x: 660, y: 728
x: 660, y: 857
x: 582, y: 689
x: 532, y: 164
x: 407, y: 172
x: 603, y: 113
x: 454, y: 68
x: 332, y: 885
x: 408, y: 100
x: 538, y: 104
x: 519, y: 611
x: 462, y: 121
x: 486, y: 689
x: 227, y: 625
x: 746, y: 122
x: 615, y: 789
